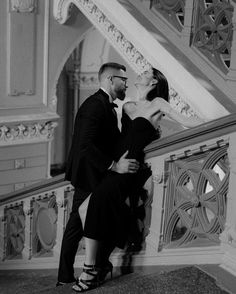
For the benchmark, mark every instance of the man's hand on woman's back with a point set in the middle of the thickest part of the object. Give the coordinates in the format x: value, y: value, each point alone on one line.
x: 125, y: 165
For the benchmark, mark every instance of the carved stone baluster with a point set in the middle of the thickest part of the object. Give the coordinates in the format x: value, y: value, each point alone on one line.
x: 61, y: 218
x: 188, y: 17
x: 148, y: 205
x: 155, y: 205
x: 2, y: 234
x: 229, y: 234
x: 28, y: 211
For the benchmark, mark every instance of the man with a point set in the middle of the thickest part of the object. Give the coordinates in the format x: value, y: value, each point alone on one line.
x: 91, y: 156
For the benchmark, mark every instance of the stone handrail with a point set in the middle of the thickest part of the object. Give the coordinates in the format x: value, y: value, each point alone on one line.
x: 195, y: 167
x: 193, y: 190
x: 37, y: 188
x: 209, y: 130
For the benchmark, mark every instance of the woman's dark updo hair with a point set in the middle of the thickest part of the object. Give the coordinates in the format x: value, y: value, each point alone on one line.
x: 161, y: 89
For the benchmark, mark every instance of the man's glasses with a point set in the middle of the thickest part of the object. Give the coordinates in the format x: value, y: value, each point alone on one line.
x: 124, y: 79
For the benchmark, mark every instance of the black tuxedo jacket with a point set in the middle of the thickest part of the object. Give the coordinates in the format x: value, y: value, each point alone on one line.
x: 95, y: 135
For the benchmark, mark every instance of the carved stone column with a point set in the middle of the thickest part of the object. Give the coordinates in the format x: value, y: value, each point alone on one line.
x: 228, y: 236
x: 2, y: 233
x: 155, y: 204
x: 76, y: 77
x: 188, y: 16
x: 61, y: 218
x: 232, y: 70
x: 231, y: 205
x: 28, y: 211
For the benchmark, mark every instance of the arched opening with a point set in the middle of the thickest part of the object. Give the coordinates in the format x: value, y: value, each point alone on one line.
x: 77, y: 81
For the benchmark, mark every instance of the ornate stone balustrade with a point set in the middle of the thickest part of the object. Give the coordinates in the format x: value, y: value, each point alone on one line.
x: 32, y: 223
x: 196, y: 189
x: 193, y: 198
x: 174, y: 11
x: 206, y: 25
x: 189, y: 212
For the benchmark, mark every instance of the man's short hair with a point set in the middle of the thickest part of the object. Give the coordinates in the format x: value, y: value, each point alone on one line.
x: 110, y: 65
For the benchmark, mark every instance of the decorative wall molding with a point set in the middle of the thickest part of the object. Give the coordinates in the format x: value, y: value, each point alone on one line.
x: 180, y: 105
x: 27, y: 133
x: 99, y: 19
x: 62, y: 10
x: 23, y: 6
x: 157, y: 176
x: 87, y: 80
x: 21, y: 30
x: 134, y: 58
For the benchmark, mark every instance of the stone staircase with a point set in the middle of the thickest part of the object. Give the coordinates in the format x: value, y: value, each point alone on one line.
x: 162, y: 279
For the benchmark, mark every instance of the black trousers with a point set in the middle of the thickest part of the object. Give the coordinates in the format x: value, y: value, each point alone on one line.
x: 71, y: 238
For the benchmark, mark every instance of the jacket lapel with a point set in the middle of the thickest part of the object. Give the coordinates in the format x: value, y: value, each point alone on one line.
x: 105, y: 100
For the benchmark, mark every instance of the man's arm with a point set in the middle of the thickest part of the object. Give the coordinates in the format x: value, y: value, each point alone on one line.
x: 91, y: 123
x: 91, y: 120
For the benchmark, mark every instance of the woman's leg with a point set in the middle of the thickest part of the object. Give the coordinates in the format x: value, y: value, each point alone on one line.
x: 104, y: 252
x: 105, y: 266
x: 91, y: 250
x: 89, y: 278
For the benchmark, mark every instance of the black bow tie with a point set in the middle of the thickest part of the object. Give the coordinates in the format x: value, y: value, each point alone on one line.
x: 113, y: 105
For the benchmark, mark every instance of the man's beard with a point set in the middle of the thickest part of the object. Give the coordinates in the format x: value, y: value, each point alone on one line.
x: 120, y: 94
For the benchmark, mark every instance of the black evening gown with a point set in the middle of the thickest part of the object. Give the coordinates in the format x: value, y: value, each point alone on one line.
x: 108, y: 216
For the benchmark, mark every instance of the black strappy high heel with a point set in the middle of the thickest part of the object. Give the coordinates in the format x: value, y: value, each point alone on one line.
x: 104, y: 270
x: 83, y: 285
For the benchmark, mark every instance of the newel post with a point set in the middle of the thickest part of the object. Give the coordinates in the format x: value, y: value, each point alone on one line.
x: 228, y: 236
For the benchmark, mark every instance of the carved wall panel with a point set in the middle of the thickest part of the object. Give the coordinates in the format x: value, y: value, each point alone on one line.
x: 30, y: 226
x: 21, y: 53
x: 213, y: 30
x: 172, y: 10
x: 44, y: 224
x: 23, y: 6
x: 68, y: 204
x: 15, y: 233
x: 196, y: 198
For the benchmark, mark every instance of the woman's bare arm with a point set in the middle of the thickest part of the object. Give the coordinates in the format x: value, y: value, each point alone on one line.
x: 165, y: 107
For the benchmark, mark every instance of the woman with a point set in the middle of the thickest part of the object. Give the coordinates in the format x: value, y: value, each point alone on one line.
x: 108, y: 215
